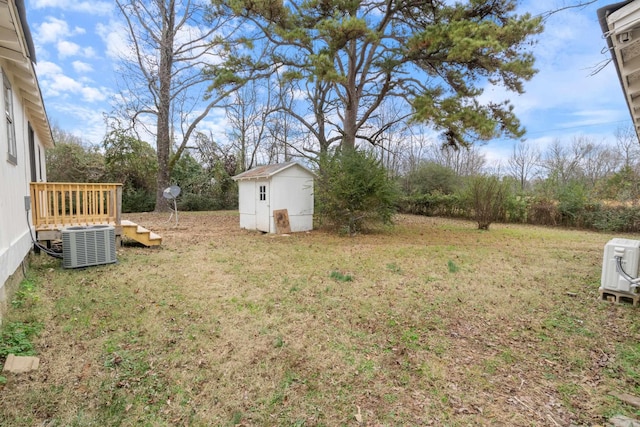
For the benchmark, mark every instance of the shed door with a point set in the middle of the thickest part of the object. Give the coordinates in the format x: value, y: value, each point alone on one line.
x: 262, y: 206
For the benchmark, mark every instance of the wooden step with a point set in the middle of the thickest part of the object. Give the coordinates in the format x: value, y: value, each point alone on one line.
x: 140, y: 234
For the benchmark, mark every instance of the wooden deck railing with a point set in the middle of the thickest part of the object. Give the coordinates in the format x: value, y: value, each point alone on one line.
x: 55, y: 205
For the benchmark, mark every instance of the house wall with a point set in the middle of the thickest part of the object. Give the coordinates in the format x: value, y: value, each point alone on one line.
x: 15, y: 239
x: 292, y: 189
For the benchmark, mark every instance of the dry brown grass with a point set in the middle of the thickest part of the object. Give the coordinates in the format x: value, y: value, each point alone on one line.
x: 441, y: 324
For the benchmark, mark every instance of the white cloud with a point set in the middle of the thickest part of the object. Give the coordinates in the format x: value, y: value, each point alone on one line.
x: 82, y: 121
x: 92, y: 7
x: 81, y: 67
x: 114, y: 37
x: 67, y: 48
x: 55, y: 84
x: 92, y: 94
x: 52, y: 30
x: 88, y: 52
x: 592, y: 117
x: 61, y: 84
x: 56, y: 31
x: 47, y: 68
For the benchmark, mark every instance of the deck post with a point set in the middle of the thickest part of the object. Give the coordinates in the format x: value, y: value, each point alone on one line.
x: 119, y: 205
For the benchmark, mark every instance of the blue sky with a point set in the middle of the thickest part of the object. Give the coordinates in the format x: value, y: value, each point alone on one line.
x: 77, y: 42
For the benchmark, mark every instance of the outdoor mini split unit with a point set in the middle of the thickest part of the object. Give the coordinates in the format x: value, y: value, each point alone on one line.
x: 86, y: 246
x: 620, y: 266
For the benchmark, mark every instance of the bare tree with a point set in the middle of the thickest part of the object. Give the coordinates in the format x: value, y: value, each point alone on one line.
x: 61, y: 136
x: 281, y: 135
x: 247, y: 115
x: 523, y: 162
x: 598, y: 163
x: 389, y: 135
x: 627, y: 146
x: 464, y: 161
x: 214, y: 154
x: 175, y: 56
x: 562, y: 164
x: 416, y: 150
x: 583, y: 160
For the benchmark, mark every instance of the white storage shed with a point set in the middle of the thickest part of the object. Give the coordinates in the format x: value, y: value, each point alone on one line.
x: 273, y: 188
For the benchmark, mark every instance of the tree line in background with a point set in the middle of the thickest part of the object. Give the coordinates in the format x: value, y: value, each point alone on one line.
x: 309, y: 78
x: 124, y: 159
x: 357, y: 90
x: 577, y: 183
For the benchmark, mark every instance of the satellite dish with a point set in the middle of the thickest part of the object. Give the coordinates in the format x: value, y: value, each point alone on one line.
x: 171, y: 193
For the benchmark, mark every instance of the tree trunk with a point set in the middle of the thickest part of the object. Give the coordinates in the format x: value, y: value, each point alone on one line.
x: 163, y: 136
x: 350, y: 122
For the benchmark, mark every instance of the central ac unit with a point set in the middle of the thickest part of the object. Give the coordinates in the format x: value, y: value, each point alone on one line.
x: 86, y: 246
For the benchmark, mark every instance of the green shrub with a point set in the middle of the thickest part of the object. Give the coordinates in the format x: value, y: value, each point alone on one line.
x: 572, y: 200
x: 353, y: 192
x: 137, y: 200
x: 197, y: 202
x: 486, y: 196
x: 517, y: 208
x: 429, y: 178
x: 616, y: 218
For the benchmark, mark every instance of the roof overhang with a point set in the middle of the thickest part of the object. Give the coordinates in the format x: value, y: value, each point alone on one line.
x: 18, y: 55
x: 267, y: 171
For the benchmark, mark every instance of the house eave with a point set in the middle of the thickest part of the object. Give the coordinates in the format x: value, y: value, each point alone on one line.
x: 17, y: 56
x: 620, y: 26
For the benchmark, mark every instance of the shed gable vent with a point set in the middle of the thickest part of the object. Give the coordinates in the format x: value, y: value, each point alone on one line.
x: 86, y: 246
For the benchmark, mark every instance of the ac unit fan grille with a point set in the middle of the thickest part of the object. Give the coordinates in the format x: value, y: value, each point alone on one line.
x: 87, y: 246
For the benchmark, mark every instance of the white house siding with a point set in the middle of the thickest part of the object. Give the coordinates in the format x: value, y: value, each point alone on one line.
x: 292, y: 189
x: 15, y: 239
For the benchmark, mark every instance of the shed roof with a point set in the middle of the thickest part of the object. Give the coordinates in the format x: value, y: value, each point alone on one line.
x: 267, y: 171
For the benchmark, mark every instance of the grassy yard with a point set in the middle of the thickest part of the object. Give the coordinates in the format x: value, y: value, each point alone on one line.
x: 431, y: 322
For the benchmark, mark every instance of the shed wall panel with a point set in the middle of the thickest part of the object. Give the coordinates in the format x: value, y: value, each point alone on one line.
x: 246, y: 194
x: 247, y: 205
x: 294, y: 193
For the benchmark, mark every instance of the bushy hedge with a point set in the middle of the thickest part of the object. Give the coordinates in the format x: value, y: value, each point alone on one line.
x: 137, y: 200
x: 532, y: 210
x: 615, y: 218
x: 448, y: 205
